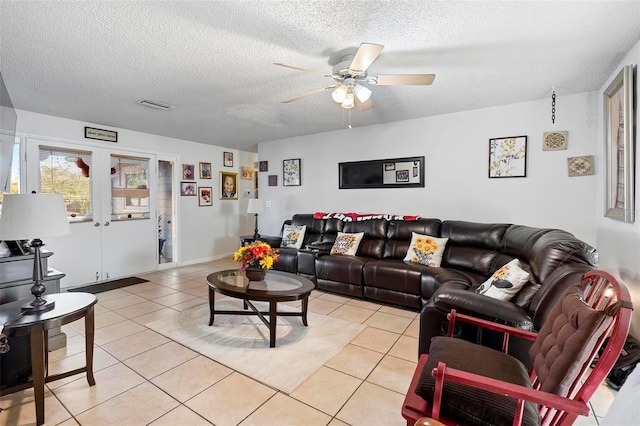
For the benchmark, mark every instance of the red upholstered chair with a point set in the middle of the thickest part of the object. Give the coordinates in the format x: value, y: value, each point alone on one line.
x: 459, y: 382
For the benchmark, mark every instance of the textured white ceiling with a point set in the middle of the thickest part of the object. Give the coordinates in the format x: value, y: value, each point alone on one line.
x: 213, y: 60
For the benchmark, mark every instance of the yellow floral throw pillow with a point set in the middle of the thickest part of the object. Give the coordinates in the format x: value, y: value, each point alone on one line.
x: 292, y: 236
x: 505, y: 282
x: 347, y: 244
x: 425, y: 249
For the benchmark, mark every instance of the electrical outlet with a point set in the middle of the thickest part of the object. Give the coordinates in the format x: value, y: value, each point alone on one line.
x: 268, y: 203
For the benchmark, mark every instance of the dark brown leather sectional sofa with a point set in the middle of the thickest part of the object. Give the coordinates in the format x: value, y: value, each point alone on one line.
x: 474, y: 251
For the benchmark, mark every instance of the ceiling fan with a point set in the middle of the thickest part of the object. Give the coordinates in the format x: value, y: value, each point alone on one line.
x: 351, y: 76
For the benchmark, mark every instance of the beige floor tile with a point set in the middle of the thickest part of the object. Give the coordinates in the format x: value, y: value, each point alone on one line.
x: 101, y: 360
x: 602, y: 400
x: 166, y: 280
x: 400, y: 312
x: 75, y: 345
x: 284, y: 410
x: 406, y: 348
x: 393, y: 373
x: 138, y: 406
x: 78, y: 396
x: 158, y: 360
x: 414, y: 328
x: 180, y: 416
x: 143, y: 308
x: 70, y: 422
x: 359, y: 303
x: 334, y: 298
x: 352, y: 313
x: 25, y: 413
x: 69, y: 330
x: 230, y: 400
x: 184, y: 285
x: 16, y: 398
x: 157, y: 292
x: 173, y: 299
x: 111, y: 294
x: 336, y: 422
x: 313, y: 391
x: 135, y: 344
x: 200, y: 291
x: 122, y: 302
x: 355, y: 361
x: 388, y: 322
x: 155, y: 315
x: 324, y: 307
x: 116, y: 331
x: 105, y: 319
x: 189, y: 304
x: 189, y: 379
x: 373, y: 405
x: 139, y: 288
x: 376, y: 339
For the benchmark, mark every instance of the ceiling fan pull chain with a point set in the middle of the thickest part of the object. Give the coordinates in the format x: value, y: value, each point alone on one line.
x: 553, y: 107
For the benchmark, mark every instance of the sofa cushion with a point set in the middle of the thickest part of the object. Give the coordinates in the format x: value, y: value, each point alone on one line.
x: 399, y: 235
x: 393, y: 274
x: 347, y: 244
x: 345, y: 269
x: 425, y: 249
x: 292, y: 236
x: 505, y: 282
x: 375, y: 231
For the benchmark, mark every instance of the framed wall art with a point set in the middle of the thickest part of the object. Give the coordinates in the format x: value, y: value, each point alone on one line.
x: 291, y: 172
x: 188, y: 172
x: 264, y: 166
x: 273, y: 180
x: 619, y: 147
x: 228, y: 186
x: 508, y: 157
x: 205, y: 170
x: 406, y: 172
x: 581, y: 166
x: 228, y: 159
x: 188, y: 188
x: 204, y: 196
x: 554, y: 141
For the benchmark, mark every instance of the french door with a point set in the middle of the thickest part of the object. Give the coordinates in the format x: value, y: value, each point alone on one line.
x: 110, y: 196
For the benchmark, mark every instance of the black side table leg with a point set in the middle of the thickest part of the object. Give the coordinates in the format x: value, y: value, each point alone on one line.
x: 212, y: 302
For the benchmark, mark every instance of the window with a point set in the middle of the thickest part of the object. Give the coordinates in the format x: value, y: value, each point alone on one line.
x: 14, y: 184
x: 68, y: 172
x: 129, y: 188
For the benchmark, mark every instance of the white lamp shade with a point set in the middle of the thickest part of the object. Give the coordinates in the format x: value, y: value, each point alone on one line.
x: 339, y: 94
x: 348, y: 101
x: 29, y: 216
x: 256, y: 205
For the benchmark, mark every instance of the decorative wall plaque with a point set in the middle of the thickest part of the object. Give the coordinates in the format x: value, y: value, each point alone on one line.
x: 581, y: 166
x: 554, y: 141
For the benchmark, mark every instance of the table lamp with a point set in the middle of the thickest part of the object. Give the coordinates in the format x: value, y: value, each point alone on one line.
x: 32, y: 216
x: 255, y: 206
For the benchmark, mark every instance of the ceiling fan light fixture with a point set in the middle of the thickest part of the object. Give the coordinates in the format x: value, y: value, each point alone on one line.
x: 362, y: 93
x: 349, y: 101
x: 339, y: 94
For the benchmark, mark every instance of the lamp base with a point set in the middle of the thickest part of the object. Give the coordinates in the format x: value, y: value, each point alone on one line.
x: 38, y: 306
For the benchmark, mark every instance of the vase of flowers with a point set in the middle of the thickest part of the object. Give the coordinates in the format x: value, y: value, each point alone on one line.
x: 255, y: 259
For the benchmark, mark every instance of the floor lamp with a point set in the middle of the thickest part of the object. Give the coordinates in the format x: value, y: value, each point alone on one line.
x: 32, y: 216
x: 255, y: 206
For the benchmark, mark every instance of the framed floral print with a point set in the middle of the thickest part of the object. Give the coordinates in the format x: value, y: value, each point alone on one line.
x: 291, y: 172
x: 508, y: 157
x: 619, y: 147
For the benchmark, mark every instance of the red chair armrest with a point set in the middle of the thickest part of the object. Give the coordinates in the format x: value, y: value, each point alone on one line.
x: 414, y: 407
x: 513, y: 331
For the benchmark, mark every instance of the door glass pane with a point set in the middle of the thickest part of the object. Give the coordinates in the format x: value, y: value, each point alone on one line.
x: 68, y: 172
x: 129, y: 188
x: 165, y: 211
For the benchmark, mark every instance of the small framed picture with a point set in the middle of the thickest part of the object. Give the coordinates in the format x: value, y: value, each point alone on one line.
x: 228, y: 186
x: 188, y: 188
x: 188, y: 172
x: 389, y: 166
x: 291, y: 172
x: 264, y: 166
x: 402, y: 175
x: 273, y: 180
x: 205, y: 170
x: 228, y: 159
x: 204, y: 196
x: 508, y: 157
x: 248, y: 172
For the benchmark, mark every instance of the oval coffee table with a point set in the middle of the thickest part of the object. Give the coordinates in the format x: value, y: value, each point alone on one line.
x: 276, y: 287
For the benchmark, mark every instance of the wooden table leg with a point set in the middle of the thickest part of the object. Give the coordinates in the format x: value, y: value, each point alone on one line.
x: 212, y: 303
x: 89, y: 330
x: 273, y: 321
x: 36, y: 334
x: 305, y: 305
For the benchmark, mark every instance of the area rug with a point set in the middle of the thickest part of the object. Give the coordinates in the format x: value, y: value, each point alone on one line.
x: 109, y: 285
x: 242, y: 342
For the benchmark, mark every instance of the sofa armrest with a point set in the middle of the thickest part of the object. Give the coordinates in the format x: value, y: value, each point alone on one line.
x: 271, y: 240
x: 478, y: 305
x: 320, y: 247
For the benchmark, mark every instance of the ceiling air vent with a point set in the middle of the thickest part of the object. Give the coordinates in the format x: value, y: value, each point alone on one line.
x: 155, y: 104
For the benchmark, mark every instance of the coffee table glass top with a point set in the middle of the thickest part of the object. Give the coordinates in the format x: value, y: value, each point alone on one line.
x: 275, y: 283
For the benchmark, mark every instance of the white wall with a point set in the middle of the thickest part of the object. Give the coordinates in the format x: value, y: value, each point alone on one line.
x: 619, y: 242
x: 204, y: 232
x: 456, y: 149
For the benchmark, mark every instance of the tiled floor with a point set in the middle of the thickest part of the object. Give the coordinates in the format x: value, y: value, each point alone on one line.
x: 143, y: 378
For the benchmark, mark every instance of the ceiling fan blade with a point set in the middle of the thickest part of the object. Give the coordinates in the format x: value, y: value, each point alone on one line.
x: 364, y: 106
x: 405, y: 79
x: 366, y: 54
x: 302, y: 69
x: 304, y: 95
